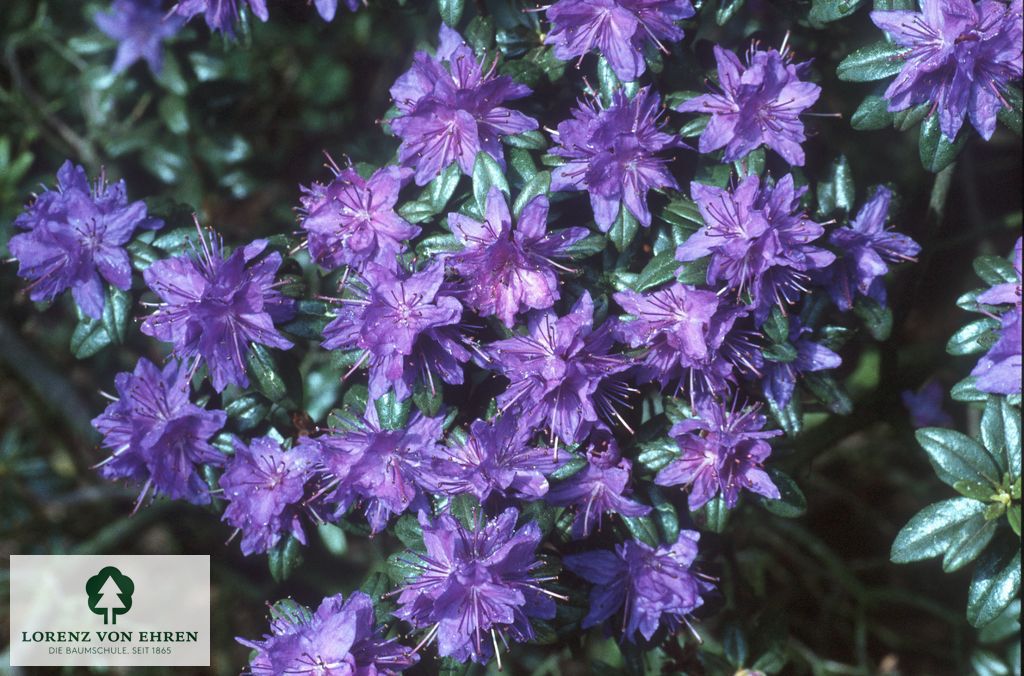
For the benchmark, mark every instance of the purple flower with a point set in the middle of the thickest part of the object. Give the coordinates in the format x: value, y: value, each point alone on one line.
x: 450, y: 110
x: 213, y: 307
x: 140, y: 27
x: 340, y: 639
x: 599, y: 488
x: 380, y: 468
x: 352, y: 220
x: 476, y: 586
x: 999, y: 371
x: 264, y: 486
x: 75, y: 239
x: 960, y: 55
x: 560, y: 372
x: 328, y: 8
x: 406, y: 328
x: 722, y: 451
x: 495, y: 458
x: 758, y: 240
x: 158, y: 437
x: 653, y: 586
x: 612, y: 154
x: 925, y: 405
x: 778, y: 378
x: 220, y: 15
x: 619, y: 29
x: 759, y: 103
x: 505, y: 272
x: 867, y: 248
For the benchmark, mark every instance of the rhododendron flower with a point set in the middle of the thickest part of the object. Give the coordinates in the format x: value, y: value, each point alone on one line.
x: 759, y: 241
x: 778, y: 378
x: 406, y: 327
x: 599, y: 488
x: 212, y: 307
x: 264, y: 485
x: 450, y: 109
x: 352, y: 220
x: 157, y: 436
x: 619, y: 29
x: 341, y: 638
x: 999, y: 371
x: 140, y: 27
x: 925, y: 405
x: 722, y: 452
x: 508, y: 271
x: 75, y: 237
x: 476, y: 587
x: 960, y: 56
x: 220, y: 15
x: 560, y: 372
x: 866, y: 250
x: 613, y: 154
x: 653, y: 586
x: 757, y: 103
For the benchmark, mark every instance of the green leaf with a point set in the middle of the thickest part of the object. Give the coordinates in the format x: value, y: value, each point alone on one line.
x: 837, y: 193
x: 1000, y: 433
x: 876, y: 317
x: 451, y: 11
x: 174, y: 112
x: 967, y: 390
x: 89, y: 337
x: 624, y: 229
x: 825, y: 11
x: 479, y: 33
x: 116, y: 309
x: 664, y: 515
x: 874, y: 62
x: 934, y: 529
x: 654, y: 455
x: 661, y: 269
x: 247, y: 411
x: 588, y: 246
x: 872, y: 113
x: 957, y: 457
x: 1013, y: 518
x: 537, y: 186
x: 451, y: 667
x: 969, y: 541
x: 607, y: 81
x: 974, y: 338
x: 440, y: 190
x: 409, y: 531
x: 734, y: 644
x: 791, y: 502
x: 996, y: 582
x: 1004, y: 626
x: 1011, y: 116
x: 333, y: 538
x: 829, y: 392
x: 487, y: 174
x: 527, y: 140
x: 726, y: 10
x: 392, y: 412
x: 284, y: 558
x: 427, y: 401
x: 574, y: 464
x: 783, y: 353
x: 995, y: 270
x: 984, y: 663
x: 642, y: 528
x: 441, y: 242
x: 264, y: 371
x: 714, y: 515
x: 938, y: 152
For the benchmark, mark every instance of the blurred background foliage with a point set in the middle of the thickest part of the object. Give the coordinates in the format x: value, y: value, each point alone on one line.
x: 230, y: 129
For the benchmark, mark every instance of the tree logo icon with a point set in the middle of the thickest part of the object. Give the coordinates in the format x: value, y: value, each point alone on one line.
x: 110, y: 594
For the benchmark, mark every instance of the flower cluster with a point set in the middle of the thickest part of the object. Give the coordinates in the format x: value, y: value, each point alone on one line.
x: 223, y: 15
x: 74, y: 238
x: 999, y: 370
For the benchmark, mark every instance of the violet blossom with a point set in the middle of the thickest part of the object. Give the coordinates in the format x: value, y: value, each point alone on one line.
x: 756, y: 103
x: 352, y: 220
x: 759, y: 241
x: 866, y: 250
x: 722, y: 452
x: 619, y: 29
x: 212, y: 307
x: 999, y: 370
x: 476, y: 588
x: 157, y: 436
x: 778, y: 378
x: 380, y: 469
x: 652, y: 586
x: 406, y: 327
x: 613, y: 154
x: 960, y: 56
x: 220, y: 15
x: 925, y: 405
x: 140, y: 27
x: 74, y: 239
x: 599, y: 488
x: 561, y: 372
x: 504, y: 271
x: 264, y: 486
x: 341, y: 638
x: 449, y: 109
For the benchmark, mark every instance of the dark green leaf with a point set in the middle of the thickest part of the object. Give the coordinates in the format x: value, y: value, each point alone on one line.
x: 872, y: 113
x: 487, y: 174
x: 1004, y: 626
x: 642, y: 528
x: 479, y: 33
x: 780, y: 352
x: 995, y: 270
x: 825, y: 11
x: 247, y: 411
x: 1011, y: 116
x: 938, y: 152
x: 264, y: 371
x: 874, y: 62
x: 654, y: 455
x: 970, y: 540
x: 661, y: 269
x: 537, y: 186
x: 829, y: 392
x: 664, y: 515
x: 568, y: 468
x: 726, y: 10
x: 284, y: 558
x: 588, y: 246
x: 427, y: 400
x: 791, y: 502
x: 607, y: 81
x: 451, y: 11
x: 333, y: 538
x: 996, y: 582
x: 957, y: 457
x: 984, y: 663
x: 115, y: 313
x: 734, y: 644
x: 1000, y: 433
x: 974, y: 338
x: 409, y: 532
x: 624, y: 229
x: 1013, y: 517
x: 967, y: 390
x: 528, y: 140
x: 714, y: 515
x: 441, y: 242
x: 440, y: 190
x: 837, y: 193
x: 877, y: 318
x: 392, y: 412
x: 934, y: 529
x: 89, y: 337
